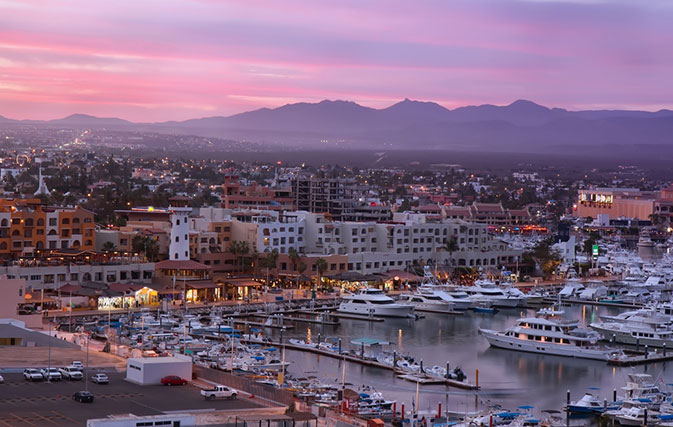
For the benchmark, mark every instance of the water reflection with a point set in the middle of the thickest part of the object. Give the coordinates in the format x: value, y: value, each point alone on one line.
x: 507, y: 377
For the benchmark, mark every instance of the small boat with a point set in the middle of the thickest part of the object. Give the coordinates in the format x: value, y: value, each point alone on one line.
x: 484, y: 307
x: 588, y: 404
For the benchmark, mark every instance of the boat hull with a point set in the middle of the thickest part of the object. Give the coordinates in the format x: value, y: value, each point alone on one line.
x: 497, y: 339
x: 625, y: 337
x: 390, y: 310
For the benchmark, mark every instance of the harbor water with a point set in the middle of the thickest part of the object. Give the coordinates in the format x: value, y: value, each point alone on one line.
x: 507, y: 378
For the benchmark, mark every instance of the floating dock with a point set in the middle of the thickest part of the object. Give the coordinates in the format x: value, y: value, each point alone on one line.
x: 587, y: 302
x: 366, y: 362
x: 642, y: 359
x: 357, y: 317
x: 432, y: 310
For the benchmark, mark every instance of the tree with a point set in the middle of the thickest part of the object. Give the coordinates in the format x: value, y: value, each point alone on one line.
x: 547, y: 259
x: 147, y: 245
x: 109, y: 247
x: 270, y: 261
x: 295, y: 259
x: 240, y: 248
x: 320, y: 267
x: 451, y: 246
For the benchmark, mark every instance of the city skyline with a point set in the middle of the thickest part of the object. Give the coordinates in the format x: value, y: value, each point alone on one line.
x: 187, y: 59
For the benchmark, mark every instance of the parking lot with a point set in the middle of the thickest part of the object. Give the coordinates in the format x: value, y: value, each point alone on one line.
x: 24, y: 403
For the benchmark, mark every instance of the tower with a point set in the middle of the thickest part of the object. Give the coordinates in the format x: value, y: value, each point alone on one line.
x: 178, y: 250
x: 41, y: 186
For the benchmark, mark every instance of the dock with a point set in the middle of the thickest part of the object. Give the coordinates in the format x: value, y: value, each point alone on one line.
x: 261, y: 324
x: 641, y: 359
x: 432, y: 310
x: 587, y: 302
x: 357, y: 317
x: 365, y: 362
x: 301, y: 319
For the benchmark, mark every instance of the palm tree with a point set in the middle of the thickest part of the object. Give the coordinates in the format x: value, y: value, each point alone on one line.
x: 240, y: 248
x: 321, y: 267
x: 270, y: 262
x: 151, y: 249
x: 295, y: 259
x: 451, y: 246
x: 109, y: 247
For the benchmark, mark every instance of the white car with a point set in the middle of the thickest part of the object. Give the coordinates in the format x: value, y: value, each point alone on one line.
x: 71, y: 373
x: 100, y: 379
x: 77, y: 364
x: 32, y: 375
x: 51, y: 373
x: 2, y: 380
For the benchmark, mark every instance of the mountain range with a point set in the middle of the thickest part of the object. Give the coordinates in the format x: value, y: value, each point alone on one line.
x: 521, y: 125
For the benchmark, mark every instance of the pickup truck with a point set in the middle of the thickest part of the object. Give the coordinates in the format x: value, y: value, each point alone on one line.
x: 219, y: 392
x: 71, y: 373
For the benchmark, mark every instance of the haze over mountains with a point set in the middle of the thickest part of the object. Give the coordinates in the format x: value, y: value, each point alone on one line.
x: 520, y: 126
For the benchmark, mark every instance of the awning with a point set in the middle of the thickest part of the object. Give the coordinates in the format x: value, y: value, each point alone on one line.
x: 198, y: 284
x: 242, y: 283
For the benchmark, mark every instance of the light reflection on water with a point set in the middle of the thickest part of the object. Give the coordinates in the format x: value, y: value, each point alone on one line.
x: 507, y: 378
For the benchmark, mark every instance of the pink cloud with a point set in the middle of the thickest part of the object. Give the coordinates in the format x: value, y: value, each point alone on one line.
x: 181, y: 59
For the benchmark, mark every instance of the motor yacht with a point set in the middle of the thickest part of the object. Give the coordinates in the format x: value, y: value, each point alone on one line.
x: 549, y: 336
x: 486, y: 291
x: 374, y: 302
x: 637, y: 330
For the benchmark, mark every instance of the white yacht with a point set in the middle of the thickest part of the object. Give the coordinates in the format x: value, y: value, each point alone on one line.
x: 374, y: 302
x: 549, y: 336
x: 486, y: 291
x: 426, y: 300
x: 642, y: 329
x: 431, y: 296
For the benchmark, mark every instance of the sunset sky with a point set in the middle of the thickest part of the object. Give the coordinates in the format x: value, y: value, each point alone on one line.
x: 155, y: 60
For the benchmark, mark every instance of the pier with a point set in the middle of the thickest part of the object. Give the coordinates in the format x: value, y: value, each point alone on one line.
x: 365, y: 362
x: 587, y: 302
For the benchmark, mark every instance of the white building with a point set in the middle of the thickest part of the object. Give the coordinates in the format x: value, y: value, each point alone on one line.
x: 179, y: 246
x: 150, y: 370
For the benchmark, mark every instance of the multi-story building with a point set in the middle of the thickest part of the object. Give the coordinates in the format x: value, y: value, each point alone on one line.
x: 616, y: 203
x: 28, y: 227
x: 237, y: 196
x: 337, y: 197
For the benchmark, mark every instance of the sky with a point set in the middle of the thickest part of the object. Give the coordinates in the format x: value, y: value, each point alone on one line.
x: 157, y: 60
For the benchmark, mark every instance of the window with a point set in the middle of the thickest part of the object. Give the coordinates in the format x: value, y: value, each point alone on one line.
x: 75, y: 220
x: 52, y: 222
x: 16, y: 221
x: 65, y: 221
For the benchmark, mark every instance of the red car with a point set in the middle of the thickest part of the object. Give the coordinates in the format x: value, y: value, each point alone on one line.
x: 173, y: 380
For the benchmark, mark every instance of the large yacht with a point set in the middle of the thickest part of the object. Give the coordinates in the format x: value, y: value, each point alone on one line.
x: 549, y: 336
x: 639, y: 329
x: 370, y: 301
x: 486, y: 291
x: 431, y: 296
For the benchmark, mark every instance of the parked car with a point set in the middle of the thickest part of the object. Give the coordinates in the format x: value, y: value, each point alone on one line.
x: 77, y: 364
x: 173, y: 380
x: 219, y: 392
x: 100, y: 379
x: 83, y: 396
x: 52, y: 374
x: 2, y: 380
x: 71, y: 373
x: 32, y: 375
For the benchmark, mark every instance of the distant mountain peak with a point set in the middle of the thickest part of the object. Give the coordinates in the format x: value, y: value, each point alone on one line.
x: 526, y: 104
